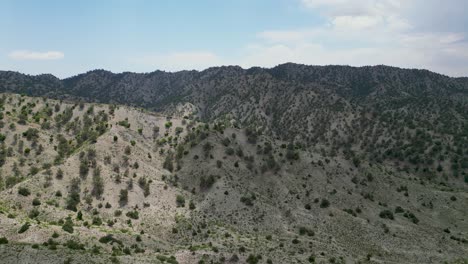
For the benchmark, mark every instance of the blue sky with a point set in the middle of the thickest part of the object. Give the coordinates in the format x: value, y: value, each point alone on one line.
x: 70, y: 37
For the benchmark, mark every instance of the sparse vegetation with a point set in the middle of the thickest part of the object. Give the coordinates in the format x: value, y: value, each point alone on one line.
x: 365, y: 158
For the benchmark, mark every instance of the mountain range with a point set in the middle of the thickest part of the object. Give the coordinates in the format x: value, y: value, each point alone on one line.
x: 292, y: 164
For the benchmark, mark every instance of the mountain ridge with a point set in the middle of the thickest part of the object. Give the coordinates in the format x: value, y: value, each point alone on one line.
x: 249, y: 69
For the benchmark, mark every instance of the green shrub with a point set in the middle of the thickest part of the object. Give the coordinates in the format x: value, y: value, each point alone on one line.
x: 170, y: 260
x: 59, y: 174
x: 386, y: 214
x: 34, y: 213
x: 72, y: 244
x: 123, y: 197
x: 253, y: 259
x: 24, y: 228
x: 305, y: 230
x: 180, y: 201
x: 72, y: 201
x: 33, y: 170
x: 68, y: 226
x: 412, y: 217
x: 350, y: 211
x: 124, y: 123
x: 31, y: 134
x: 109, y: 239
x: 399, y: 210
x: 3, y: 240
x: 132, y: 214
x: 179, y: 130
x: 36, y: 202
x: 248, y: 200
x: 97, y: 221
x: 324, y: 203
x: 207, y: 182
x: 229, y: 151
x: 24, y: 191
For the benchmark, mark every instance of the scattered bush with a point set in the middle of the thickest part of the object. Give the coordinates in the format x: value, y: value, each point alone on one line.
x: 59, y: 174
x: 180, y: 201
x: 178, y: 130
x: 68, y: 226
x: 399, y: 210
x: 324, y: 203
x: 74, y: 195
x: 124, y: 123
x: 72, y: 244
x: 253, y: 259
x: 36, y: 202
x: 109, y: 239
x: 34, y: 213
x: 207, y: 182
x: 191, y: 205
x: 24, y: 228
x: 3, y: 240
x: 248, y: 200
x: 24, y: 191
x: 123, y: 197
x: 229, y: 151
x: 133, y: 214
x: 305, y: 230
x: 386, y: 214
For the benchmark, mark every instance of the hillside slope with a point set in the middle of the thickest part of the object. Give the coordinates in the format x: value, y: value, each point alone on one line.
x: 411, y: 119
x: 84, y: 183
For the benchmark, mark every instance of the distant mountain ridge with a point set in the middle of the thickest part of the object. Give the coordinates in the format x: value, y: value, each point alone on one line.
x: 347, y: 77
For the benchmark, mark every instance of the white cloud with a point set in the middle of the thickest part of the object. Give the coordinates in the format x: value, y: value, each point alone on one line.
x: 363, y: 32
x: 34, y: 55
x: 356, y: 22
x: 357, y: 7
x: 434, y: 51
x: 175, y: 61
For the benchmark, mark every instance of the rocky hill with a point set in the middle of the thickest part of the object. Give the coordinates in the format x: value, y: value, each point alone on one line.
x: 415, y: 118
x: 294, y: 164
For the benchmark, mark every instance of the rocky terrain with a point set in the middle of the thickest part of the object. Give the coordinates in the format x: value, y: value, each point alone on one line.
x: 294, y: 164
